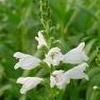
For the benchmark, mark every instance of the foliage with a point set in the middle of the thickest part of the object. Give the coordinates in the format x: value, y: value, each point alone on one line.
x: 70, y: 22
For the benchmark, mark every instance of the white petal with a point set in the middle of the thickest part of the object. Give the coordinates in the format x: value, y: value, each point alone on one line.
x: 54, y: 57
x: 41, y: 40
x: 22, y: 80
x: 58, y: 72
x: 59, y: 79
x: 17, y: 65
x: 81, y: 46
x: 29, y: 63
x: 76, y: 55
x: 62, y: 84
x: 26, y: 61
x: 77, y: 72
x: 37, y: 38
x: 55, y: 49
x: 52, y: 81
x: 28, y: 83
x: 21, y: 55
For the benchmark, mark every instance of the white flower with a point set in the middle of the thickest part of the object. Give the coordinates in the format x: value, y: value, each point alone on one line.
x: 59, y: 79
x: 78, y: 72
x: 28, y: 83
x: 53, y: 57
x: 41, y: 40
x: 76, y: 55
x: 26, y: 61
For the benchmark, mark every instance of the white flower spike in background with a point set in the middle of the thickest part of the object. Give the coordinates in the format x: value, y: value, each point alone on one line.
x: 28, y: 83
x: 41, y: 40
x: 54, y: 56
x: 2, y: 1
x: 76, y: 55
x: 26, y: 61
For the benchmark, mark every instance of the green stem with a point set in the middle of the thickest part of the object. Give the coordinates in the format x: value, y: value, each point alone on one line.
x: 45, y: 16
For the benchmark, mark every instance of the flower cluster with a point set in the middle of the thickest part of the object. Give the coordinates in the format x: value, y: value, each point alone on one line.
x: 54, y: 57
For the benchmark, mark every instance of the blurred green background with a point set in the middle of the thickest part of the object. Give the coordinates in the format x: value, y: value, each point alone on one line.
x: 70, y: 21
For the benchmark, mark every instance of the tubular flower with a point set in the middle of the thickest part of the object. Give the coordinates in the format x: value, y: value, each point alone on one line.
x: 59, y: 79
x: 41, y: 40
x: 76, y: 55
x: 28, y: 83
x: 77, y: 72
x: 26, y: 61
x: 54, y: 56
